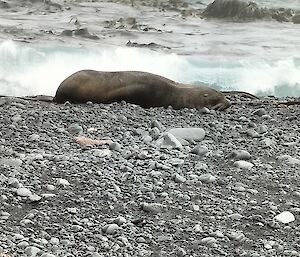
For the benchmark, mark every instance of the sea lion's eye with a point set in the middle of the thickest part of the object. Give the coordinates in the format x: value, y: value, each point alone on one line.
x: 205, y: 95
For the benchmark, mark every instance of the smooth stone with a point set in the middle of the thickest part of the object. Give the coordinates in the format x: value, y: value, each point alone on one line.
x: 207, y: 178
x: 32, y: 251
x: 11, y: 162
x: 101, y: 153
x: 22, y: 191
x: 34, y: 198
x: 196, y: 134
x: 75, y: 129
x: 243, y: 165
x: 152, y: 207
x: 48, y: 255
x: 200, y: 150
x: 208, y: 240
x: 22, y: 244
x: 120, y: 221
x: 114, y: 146
x: 240, y: 155
x: 179, y: 179
x: 169, y: 141
x: 267, y: 142
x: 110, y: 229
x: 289, y: 160
x: 63, y: 182
x: 176, y: 161
x: 285, y: 217
x: 235, y: 216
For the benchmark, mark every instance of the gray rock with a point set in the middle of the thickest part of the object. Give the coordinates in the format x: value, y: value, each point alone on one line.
x: 22, y: 191
x: 289, y: 159
x: 11, y: 162
x: 152, y: 207
x: 32, y: 251
x: 179, y: 179
x: 240, y: 155
x: 207, y: 178
x: 200, y: 150
x: 243, y: 165
x: 169, y: 141
x: 110, y: 229
x: 75, y: 129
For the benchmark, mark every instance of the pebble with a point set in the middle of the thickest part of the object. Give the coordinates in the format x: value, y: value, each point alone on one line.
x: 120, y: 221
x: 200, y: 150
x: 196, y: 134
x: 169, y: 141
x: 240, y: 155
x: 176, y: 161
x: 179, y: 179
x: 101, y: 153
x: 289, y: 160
x: 285, y: 217
x: 48, y: 255
x: 235, y: 216
x: 63, y: 182
x: 32, y: 251
x: 11, y: 162
x: 114, y: 146
x: 75, y: 129
x: 208, y: 240
x: 238, y: 237
x: 110, y: 229
x: 243, y: 165
x: 23, y: 244
x: 22, y: 191
x: 207, y: 178
x: 152, y: 207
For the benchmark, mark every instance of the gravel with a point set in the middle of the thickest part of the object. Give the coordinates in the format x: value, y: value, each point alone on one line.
x: 217, y: 191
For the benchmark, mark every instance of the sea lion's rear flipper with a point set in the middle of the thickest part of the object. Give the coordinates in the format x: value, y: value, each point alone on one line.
x: 240, y: 93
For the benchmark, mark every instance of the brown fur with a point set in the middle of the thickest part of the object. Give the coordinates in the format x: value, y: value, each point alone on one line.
x: 141, y: 88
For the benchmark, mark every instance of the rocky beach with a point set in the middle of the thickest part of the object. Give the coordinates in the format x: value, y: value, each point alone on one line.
x: 120, y: 180
x: 112, y: 180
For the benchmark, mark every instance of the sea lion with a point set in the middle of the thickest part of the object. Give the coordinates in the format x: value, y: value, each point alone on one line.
x: 141, y: 88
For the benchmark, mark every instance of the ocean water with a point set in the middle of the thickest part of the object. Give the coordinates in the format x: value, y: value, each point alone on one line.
x: 261, y: 57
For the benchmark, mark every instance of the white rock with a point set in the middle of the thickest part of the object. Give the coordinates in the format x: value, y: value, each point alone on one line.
x: 101, y: 153
x: 169, y: 141
x: 179, y: 179
x: 32, y: 251
x: 22, y: 191
x: 110, y: 229
x: 11, y: 162
x: 48, y: 255
x: 63, y: 182
x: 243, y: 165
x: 285, y: 217
x: 196, y: 134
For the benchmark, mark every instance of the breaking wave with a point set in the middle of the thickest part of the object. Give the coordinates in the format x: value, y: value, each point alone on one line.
x: 27, y: 69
